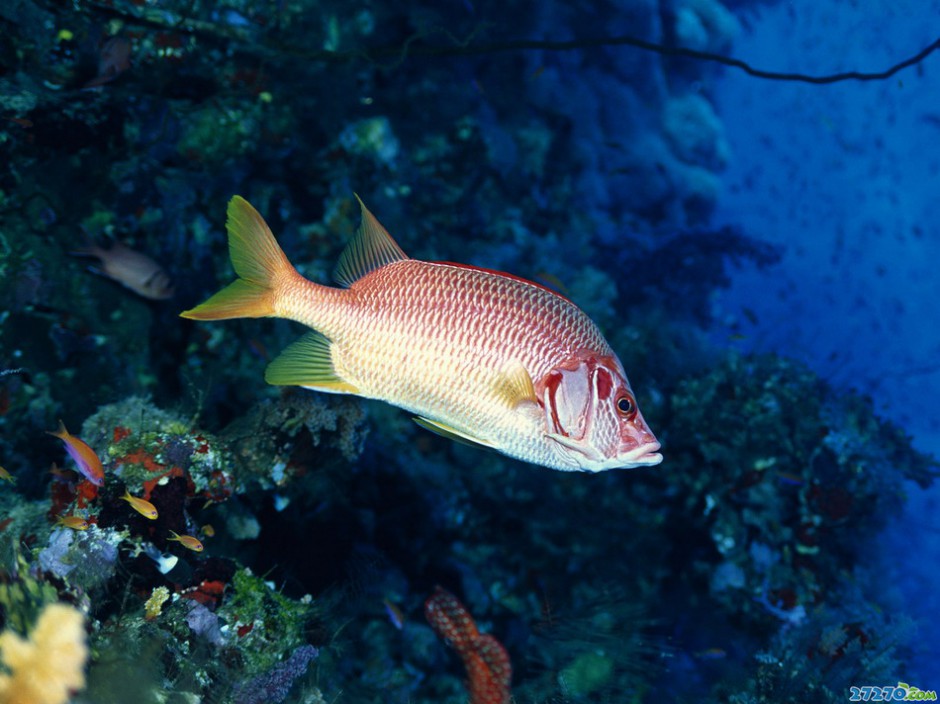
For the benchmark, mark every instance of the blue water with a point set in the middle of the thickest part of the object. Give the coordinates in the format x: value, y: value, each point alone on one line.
x: 841, y: 177
x: 844, y: 179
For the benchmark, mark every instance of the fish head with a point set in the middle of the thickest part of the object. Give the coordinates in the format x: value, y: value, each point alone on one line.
x: 591, y: 415
x: 158, y: 286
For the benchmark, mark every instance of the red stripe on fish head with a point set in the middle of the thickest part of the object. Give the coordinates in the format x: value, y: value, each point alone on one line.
x: 588, y: 400
x: 564, y: 393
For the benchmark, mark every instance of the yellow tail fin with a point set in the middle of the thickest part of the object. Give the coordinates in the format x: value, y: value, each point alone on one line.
x: 259, y: 262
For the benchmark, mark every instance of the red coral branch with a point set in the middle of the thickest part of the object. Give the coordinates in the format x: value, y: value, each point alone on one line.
x: 489, y: 671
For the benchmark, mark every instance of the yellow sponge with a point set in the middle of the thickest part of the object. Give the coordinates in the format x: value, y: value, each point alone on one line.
x: 48, y: 666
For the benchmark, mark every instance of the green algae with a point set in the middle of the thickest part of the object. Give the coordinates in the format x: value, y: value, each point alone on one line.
x: 265, y: 623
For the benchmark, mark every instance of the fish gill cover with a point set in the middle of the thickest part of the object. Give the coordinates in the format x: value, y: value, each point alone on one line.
x: 608, y: 151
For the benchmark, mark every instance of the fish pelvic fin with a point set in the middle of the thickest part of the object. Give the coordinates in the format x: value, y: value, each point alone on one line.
x: 451, y: 433
x: 371, y: 249
x: 260, y: 264
x: 308, y: 363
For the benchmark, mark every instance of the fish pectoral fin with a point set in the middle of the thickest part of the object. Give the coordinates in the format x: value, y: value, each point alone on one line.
x: 451, y: 433
x: 514, y: 386
x: 308, y: 362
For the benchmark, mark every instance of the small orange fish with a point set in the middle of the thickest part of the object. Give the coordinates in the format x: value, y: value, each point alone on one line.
x: 22, y: 122
x: 86, y: 459
x: 208, y: 530
x: 73, y: 522
x: 142, y: 506
x: 6, y: 476
x: 60, y: 474
x: 187, y: 541
x: 131, y: 269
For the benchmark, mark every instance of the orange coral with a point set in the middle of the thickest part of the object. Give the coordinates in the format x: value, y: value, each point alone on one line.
x: 489, y: 671
x: 85, y: 494
x: 141, y: 457
x: 145, y: 459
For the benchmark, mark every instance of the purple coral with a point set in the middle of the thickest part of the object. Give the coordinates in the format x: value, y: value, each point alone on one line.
x: 54, y: 557
x: 204, y: 623
x: 178, y: 451
x: 272, y: 687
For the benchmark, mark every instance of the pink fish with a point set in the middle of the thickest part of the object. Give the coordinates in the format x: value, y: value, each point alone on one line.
x: 479, y: 356
x: 131, y: 269
x: 113, y: 60
x: 86, y: 459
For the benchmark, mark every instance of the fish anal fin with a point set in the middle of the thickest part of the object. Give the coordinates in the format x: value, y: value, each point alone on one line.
x: 451, y: 433
x: 515, y: 387
x: 308, y: 363
x: 371, y: 249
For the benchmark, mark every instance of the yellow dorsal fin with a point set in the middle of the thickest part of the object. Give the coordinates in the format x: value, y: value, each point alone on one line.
x: 308, y: 362
x: 370, y: 249
x: 515, y: 386
x: 450, y: 432
x: 256, y: 256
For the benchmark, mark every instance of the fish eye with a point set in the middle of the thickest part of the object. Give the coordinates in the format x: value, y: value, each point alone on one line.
x: 626, y: 406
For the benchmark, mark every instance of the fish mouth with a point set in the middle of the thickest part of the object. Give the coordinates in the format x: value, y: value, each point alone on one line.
x: 646, y: 455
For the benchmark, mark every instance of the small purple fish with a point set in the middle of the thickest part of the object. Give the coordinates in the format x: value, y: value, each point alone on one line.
x: 711, y: 654
x: 394, y: 614
x: 789, y: 478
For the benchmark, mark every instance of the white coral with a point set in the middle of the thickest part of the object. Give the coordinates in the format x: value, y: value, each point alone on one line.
x: 695, y: 132
x: 705, y: 25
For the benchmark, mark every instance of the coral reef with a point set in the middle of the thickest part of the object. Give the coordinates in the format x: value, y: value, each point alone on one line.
x: 489, y: 672
x: 274, y: 686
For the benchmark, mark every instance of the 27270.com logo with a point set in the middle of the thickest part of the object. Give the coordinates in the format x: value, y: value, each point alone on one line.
x: 903, y: 692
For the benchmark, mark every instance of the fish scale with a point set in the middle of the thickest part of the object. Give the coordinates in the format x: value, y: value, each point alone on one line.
x: 478, y: 355
x: 409, y: 332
